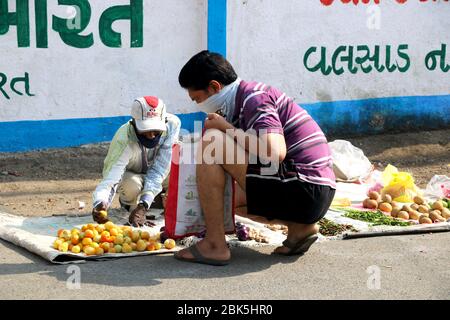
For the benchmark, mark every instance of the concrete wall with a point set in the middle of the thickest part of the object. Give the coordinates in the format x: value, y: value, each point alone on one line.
x: 319, y: 53
x: 66, y: 81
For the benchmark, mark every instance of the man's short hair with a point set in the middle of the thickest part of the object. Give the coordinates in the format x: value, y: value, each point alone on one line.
x: 204, y: 67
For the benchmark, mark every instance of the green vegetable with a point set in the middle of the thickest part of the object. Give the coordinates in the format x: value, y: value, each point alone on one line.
x: 330, y: 228
x: 376, y: 218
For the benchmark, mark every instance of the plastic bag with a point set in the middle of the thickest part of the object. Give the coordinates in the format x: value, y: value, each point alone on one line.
x: 349, y: 162
x: 183, y: 215
x: 400, y: 185
x: 438, y: 187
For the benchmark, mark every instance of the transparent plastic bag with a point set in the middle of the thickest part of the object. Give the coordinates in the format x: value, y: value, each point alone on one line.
x: 438, y: 187
x: 349, y: 162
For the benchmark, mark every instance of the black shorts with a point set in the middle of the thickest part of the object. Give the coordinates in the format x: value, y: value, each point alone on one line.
x: 290, y: 199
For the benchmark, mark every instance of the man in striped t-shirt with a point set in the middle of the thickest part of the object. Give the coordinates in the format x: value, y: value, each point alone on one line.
x: 272, y: 147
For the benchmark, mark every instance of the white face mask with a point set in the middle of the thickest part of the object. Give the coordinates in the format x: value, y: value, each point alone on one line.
x: 222, y: 101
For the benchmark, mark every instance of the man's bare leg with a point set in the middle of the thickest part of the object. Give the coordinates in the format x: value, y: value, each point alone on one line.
x: 211, y: 186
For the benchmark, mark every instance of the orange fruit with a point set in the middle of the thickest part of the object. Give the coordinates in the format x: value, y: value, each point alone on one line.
x: 84, y: 228
x: 135, y: 236
x: 104, y: 236
x: 126, y: 248
x: 75, y: 239
x: 86, y: 241
x: 151, y: 246
x: 105, y: 246
x: 127, y: 240
x: 133, y: 246
x: 141, y: 245
x: 99, y: 251
x: 75, y: 230
x: 57, y: 243
x: 59, y: 232
x: 112, y: 250
x: 97, y: 238
x: 89, y: 250
x: 89, y: 234
x: 76, y: 249
x: 109, y: 225
x: 64, y: 247
x: 114, y: 231
x: 169, y: 244
x: 158, y: 245
x: 100, y: 228
x: 145, y: 235
x: 103, y: 214
x: 119, y: 240
x: 66, y: 234
x: 94, y: 245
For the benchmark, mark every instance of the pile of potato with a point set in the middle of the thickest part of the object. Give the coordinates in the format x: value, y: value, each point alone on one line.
x: 419, y: 210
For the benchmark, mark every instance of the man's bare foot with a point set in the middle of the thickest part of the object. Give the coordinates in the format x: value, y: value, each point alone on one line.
x: 207, y: 250
x: 296, y: 233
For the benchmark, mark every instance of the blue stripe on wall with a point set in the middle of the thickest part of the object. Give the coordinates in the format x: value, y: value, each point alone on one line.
x: 338, y: 118
x: 377, y: 115
x: 217, y: 26
x: 32, y: 135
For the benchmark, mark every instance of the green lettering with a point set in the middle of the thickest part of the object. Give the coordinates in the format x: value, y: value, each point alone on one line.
x: 404, y: 56
x: 70, y: 29
x: 3, y: 80
x: 41, y: 23
x: 389, y: 67
x: 132, y: 12
x: 364, y: 58
x: 20, y: 19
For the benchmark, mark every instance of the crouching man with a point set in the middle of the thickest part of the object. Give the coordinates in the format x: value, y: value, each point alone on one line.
x: 138, y: 161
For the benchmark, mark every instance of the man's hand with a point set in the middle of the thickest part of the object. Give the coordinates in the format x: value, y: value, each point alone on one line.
x: 138, y: 219
x: 98, y: 213
x: 215, y: 121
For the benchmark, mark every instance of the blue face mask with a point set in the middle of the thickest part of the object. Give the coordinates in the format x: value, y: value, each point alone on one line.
x: 148, y: 143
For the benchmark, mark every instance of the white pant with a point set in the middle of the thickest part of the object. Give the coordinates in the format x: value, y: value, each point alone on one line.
x: 131, y: 186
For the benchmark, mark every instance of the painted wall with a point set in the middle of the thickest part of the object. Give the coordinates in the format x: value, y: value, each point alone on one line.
x: 87, y: 70
x: 68, y: 75
x: 335, y: 57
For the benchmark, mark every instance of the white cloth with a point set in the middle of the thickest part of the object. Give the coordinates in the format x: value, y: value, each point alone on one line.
x: 223, y: 101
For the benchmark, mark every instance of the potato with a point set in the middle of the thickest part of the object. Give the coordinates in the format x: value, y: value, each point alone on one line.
x: 386, y: 198
x: 396, y: 204
x: 423, y: 209
x: 385, y: 207
x: 424, y: 219
x: 445, y: 213
x: 414, y: 206
x: 395, y: 212
x: 373, y: 195
x: 419, y: 200
x: 370, y: 204
x: 438, y: 205
x: 403, y: 215
x: 406, y: 208
x: 435, y: 216
x: 414, y: 215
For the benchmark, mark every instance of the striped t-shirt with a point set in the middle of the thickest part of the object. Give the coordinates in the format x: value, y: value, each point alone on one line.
x: 261, y: 107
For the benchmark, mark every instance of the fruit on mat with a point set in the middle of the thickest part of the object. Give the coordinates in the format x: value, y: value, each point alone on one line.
x: 99, y: 239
